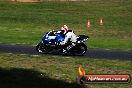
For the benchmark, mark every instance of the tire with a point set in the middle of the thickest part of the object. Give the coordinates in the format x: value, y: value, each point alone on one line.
x: 40, y: 49
x: 79, y: 49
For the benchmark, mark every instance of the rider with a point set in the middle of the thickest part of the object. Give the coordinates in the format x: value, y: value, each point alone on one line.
x: 69, y: 36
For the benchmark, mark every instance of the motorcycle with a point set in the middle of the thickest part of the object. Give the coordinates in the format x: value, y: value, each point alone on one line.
x: 51, y: 41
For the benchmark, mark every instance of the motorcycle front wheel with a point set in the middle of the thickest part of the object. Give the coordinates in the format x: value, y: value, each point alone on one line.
x: 41, y: 49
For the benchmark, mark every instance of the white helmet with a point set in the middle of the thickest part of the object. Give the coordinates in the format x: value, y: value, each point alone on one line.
x: 64, y: 28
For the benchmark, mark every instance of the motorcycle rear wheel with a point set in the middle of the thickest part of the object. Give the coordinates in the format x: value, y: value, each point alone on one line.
x: 79, y: 50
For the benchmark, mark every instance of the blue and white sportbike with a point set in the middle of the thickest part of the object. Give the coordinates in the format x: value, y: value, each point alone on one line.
x: 51, y: 41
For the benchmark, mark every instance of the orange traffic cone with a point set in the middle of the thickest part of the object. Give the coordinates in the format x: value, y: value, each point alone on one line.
x: 101, y: 22
x: 88, y: 24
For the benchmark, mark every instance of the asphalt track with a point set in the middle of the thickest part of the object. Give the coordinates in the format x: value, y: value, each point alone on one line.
x: 91, y: 53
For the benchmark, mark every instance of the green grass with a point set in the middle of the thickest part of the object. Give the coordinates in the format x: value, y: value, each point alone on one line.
x: 24, y: 71
x: 25, y: 23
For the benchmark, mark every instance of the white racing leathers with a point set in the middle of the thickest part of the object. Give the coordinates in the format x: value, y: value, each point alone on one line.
x: 70, y: 36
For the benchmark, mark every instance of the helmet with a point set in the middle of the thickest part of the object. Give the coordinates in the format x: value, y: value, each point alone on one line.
x: 64, y: 28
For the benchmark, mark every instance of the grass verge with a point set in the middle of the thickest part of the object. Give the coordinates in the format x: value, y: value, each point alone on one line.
x: 36, y: 69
